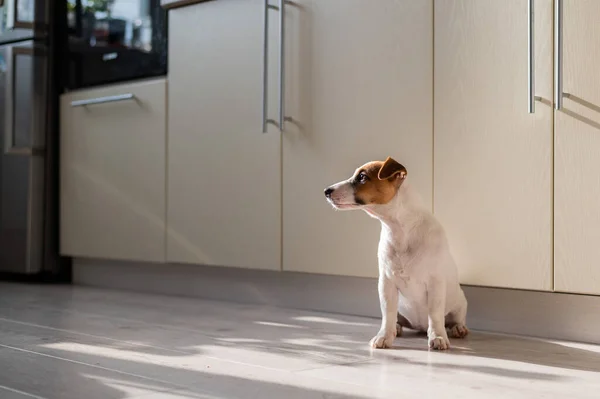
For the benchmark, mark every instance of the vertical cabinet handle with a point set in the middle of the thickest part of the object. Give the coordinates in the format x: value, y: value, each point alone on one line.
x: 281, y: 64
x: 265, y: 88
x: 10, y: 72
x: 530, y: 59
x: 558, y: 55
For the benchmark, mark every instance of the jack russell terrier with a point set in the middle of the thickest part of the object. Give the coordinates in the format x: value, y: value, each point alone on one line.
x: 418, y: 279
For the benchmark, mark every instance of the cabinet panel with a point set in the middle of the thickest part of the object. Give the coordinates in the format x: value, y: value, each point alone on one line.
x: 577, y: 165
x: 113, y: 173
x: 493, y: 160
x: 359, y: 88
x: 224, y: 174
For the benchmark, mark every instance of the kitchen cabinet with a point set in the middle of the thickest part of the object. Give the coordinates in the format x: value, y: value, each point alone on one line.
x: 577, y: 148
x: 493, y: 176
x: 112, y: 172
x: 224, y: 173
x: 358, y: 87
x: 439, y: 85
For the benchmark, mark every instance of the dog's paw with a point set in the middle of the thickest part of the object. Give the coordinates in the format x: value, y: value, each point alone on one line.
x: 459, y: 331
x: 382, y: 340
x: 439, y: 343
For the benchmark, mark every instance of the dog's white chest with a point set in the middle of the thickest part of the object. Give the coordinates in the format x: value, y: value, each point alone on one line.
x: 396, y: 257
x: 397, y: 263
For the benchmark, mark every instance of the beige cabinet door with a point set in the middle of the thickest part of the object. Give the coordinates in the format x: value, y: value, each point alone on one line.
x: 493, y: 160
x: 112, y: 172
x: 224, y: 174
x: 359, y: 88
x: 577, y: 164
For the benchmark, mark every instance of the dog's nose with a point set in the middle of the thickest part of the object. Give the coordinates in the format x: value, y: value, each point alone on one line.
x: 328, y: 192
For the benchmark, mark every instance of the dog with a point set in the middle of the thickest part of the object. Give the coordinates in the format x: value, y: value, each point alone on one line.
x: 418, y: 278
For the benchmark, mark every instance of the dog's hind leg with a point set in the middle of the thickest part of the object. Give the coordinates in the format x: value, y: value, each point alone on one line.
x: 402, y: 323
x: 456, y: 320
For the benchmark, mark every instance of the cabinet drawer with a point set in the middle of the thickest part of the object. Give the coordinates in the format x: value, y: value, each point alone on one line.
x: 113, y: 143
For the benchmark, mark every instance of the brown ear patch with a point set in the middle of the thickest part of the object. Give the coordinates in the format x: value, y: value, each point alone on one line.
x: 391, y: 168
x: 377, y: 188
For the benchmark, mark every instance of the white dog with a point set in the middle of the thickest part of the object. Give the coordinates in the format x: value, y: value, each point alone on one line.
x: 418, y: 279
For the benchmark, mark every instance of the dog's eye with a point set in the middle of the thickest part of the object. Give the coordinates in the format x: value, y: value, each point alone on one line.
x: 362, y: 178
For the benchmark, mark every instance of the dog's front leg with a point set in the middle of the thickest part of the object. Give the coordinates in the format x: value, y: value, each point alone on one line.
x: 388, y: 300
x: 436, y: 305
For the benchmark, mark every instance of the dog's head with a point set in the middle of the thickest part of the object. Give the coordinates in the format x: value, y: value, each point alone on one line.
x: 374, y: 183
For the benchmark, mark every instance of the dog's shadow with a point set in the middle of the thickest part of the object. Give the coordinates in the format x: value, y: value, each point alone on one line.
x: 344, y: 339
x: 568, y: 356
x: 340, y: 339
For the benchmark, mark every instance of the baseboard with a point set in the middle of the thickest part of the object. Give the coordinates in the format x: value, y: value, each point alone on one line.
x: 540, y: 314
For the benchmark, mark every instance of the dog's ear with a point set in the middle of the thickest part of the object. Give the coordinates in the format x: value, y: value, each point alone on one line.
x: 390, y: 169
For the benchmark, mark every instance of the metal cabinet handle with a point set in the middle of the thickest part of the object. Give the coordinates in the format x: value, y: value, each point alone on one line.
x: 10, y: 71
x: 9, y: 127
x: 265, y: 93
x: 281, y: 64
x: 530, y: 59
x: 558, y: 54
x: 103, y: 100
x: 265, y: 88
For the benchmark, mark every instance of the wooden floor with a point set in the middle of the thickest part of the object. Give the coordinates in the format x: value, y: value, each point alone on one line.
x: 82, y: 343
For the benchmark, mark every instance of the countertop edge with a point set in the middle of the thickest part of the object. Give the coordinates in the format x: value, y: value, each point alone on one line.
x: 171, y: 4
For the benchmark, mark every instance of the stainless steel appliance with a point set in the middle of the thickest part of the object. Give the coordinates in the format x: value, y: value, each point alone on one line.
x: 28, y: 161
x: 114, y: 40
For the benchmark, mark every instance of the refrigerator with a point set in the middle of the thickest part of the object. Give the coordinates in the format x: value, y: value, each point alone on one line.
x: 28, y: 142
